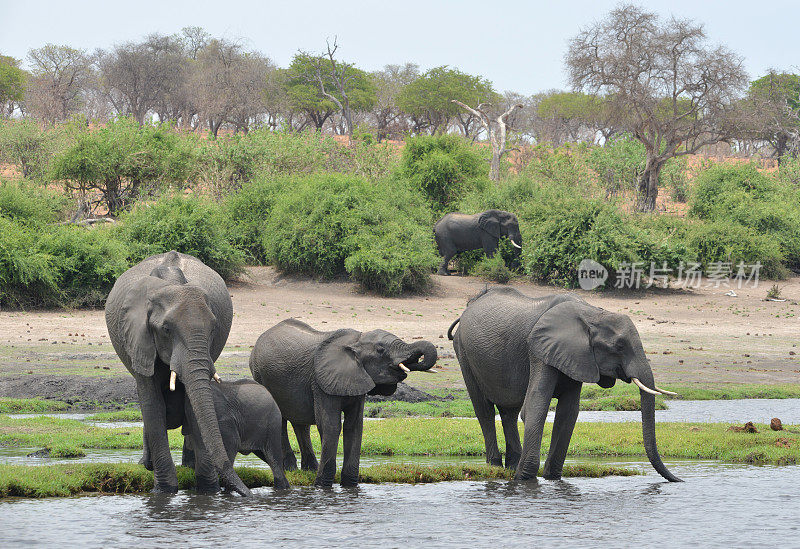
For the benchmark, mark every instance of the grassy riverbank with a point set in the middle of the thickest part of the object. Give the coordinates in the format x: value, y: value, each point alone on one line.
x: 458, y: 437
x: 124, y: 478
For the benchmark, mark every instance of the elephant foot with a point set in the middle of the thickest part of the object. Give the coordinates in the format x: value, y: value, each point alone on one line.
x: 443, y: 273
x: 207, y: 488
x: 281, y: 484
x: 310, y: 465
x: 349, y: 483
x: 164, y: 489
x: 551, y: 474
x: 324, y: 483
x: 289, y: 462
x: 525, y: 477
x: 494, y: 462
x: 512, y: 462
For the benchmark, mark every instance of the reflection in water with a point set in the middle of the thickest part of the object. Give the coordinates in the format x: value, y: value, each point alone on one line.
x: 718, y: 505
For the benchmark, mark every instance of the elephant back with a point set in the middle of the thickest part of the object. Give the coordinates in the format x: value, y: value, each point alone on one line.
x: 282, y: 360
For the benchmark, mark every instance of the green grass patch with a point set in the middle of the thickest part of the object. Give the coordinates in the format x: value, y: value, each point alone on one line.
x: 126, y: 478
x: 128, y: 414
x: 30, y: 406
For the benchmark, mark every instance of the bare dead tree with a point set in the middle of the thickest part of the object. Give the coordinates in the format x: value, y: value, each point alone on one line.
x: 496, y: 129
x: 341, y: 75
x: 59, y: 74
x: 669, y: 88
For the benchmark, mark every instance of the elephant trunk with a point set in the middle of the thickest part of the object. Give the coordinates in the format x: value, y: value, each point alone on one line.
x: 410, y: 354
x: 649, y: 428
x: 198, y: 371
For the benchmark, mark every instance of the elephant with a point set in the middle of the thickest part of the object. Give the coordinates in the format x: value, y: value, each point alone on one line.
x: 168, y: 319
x: 316, y: 376
x: 517, y: 353
x: 249, y: 421
x: 457, y: 232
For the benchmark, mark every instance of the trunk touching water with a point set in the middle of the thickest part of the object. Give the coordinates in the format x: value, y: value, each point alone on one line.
x: 649, y: 429
x: 198, y: 387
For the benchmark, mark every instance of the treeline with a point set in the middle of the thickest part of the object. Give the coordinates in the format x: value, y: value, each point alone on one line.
x: 305, y: 204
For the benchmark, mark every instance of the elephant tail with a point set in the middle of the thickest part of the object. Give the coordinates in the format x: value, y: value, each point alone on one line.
x: 450, y: 329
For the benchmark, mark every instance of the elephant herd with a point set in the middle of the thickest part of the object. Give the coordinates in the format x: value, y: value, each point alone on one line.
x: 169, y: 317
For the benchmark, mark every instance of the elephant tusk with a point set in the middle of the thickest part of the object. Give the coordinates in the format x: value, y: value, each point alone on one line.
x: 404, y: 368
x: 515, y: 244
x: 172, y: 377
x: 643, y: 387
x: 665, y: 392
x: 216, y: 377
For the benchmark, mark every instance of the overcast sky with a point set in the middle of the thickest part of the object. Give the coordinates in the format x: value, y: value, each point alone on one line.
x: 517, y: 45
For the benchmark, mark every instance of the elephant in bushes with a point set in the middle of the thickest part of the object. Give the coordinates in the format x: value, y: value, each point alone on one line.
x: 517, y: 353
x: 457, y: 232
x: 168, y: 318
x: 316, y: 376
x: 249, y: 421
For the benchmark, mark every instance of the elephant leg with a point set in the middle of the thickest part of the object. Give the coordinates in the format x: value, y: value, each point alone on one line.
x: 187, y: 455
x: 509, y: 417
x: 206, y: 476
x: 146, y: 460
x: 330, y: 424
x: 351, y: 438
x: 566, y: 415
x: 308, y: 461
x: 289, y: 459
x: 484, y: 411
x: 271, y: 453
x: 489, y: 244
x: 155, y: 432
x: 542, y: 385
x: 448, y: 255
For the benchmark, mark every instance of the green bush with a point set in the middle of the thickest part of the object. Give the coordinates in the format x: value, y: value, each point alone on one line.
x: 329, y: 225
x: 493, y: 269
x: 442, y: 167
x: 25, y: 145
x: 743, y: 195
x: 27, y: 275
x: 246, y: 212
x: 88, y: 262
x: 31, y: 204
x: 190, y: 225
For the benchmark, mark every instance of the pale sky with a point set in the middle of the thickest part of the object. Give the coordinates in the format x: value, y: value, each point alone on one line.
x: 517, y: 45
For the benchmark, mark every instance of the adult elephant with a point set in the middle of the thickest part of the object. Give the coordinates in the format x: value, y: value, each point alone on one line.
x: 517, y: 353
x: 457, y: 232
x: 315, y: 377
x: 249, y: 421
x: 168, y: 318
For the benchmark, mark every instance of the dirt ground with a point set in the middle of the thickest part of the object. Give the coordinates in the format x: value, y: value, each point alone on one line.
x: 692, y: 337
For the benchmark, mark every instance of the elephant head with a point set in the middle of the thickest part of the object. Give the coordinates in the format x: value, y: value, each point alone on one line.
x: 169, y: 325
x: 499, y: 223
x: 350, y: 363
x: 592, y: 345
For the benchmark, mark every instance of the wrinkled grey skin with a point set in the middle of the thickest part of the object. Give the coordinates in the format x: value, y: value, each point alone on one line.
x: 517, y: 353
x: 457, y: 232
x: 173, y: 313
x: 315, y: 377
x: 249, y: 421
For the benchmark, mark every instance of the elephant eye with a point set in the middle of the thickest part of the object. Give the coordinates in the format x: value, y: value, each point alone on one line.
x: 380, y: 349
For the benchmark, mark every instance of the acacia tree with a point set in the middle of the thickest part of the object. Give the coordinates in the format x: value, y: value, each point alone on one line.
x: 496, y: 128
x: 59, y: 75
x: 771, y: 112
x: 670, y: 89
x: 428, y: 99
x: 12, y: 85
x: 389, y: 83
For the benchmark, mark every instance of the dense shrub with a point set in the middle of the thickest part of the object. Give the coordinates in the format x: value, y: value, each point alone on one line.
x: 27, y: 276
x: 442, y: 167
x: 32, y: 204
x: 246, y: 212
x: 190, y: 225
x: 743, y: 195
x: 493, y: 269
x: 122, y: 159
x: 26, y: 146
x: 329, y: 225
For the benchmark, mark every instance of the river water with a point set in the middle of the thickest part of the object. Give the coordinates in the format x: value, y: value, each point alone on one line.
x: 719, y: 505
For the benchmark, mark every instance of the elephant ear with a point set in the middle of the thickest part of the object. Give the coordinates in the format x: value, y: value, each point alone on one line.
x: 561, y: 339
x: 337, y: 366
x: 490, y: 224
x: 135, y: 327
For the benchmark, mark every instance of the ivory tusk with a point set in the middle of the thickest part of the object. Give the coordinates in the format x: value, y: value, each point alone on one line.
x: 664, y: 391
x: 515, y: 244
x: 644, y: 388
x: 216, y: 377
x: 172, y: 377
x: 404, y: 368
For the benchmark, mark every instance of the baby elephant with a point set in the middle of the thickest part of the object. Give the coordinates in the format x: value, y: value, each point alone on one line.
x: 249, y: 421
x: 316, y: 377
